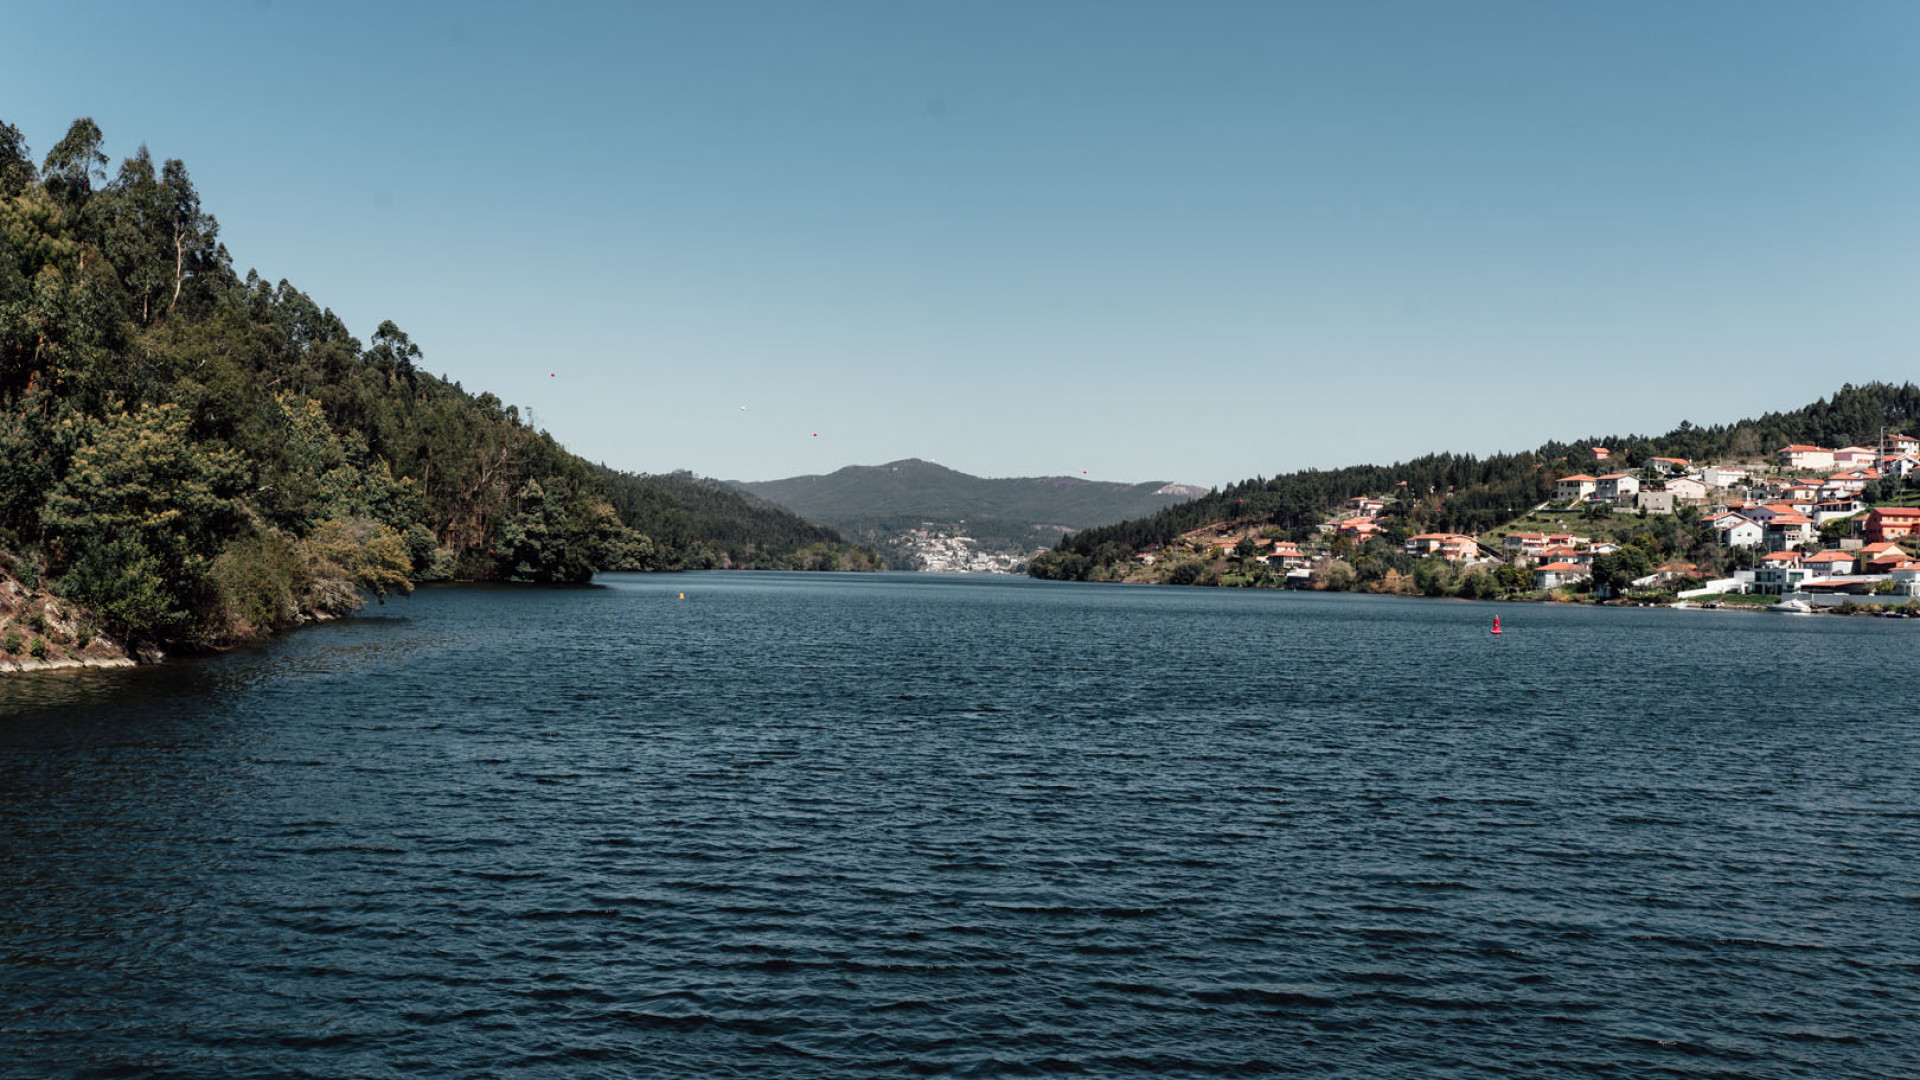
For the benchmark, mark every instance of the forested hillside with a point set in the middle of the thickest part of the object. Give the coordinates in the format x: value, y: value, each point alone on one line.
x: 194, y: 456
x: 873, y: 502
x: 1467, y: 494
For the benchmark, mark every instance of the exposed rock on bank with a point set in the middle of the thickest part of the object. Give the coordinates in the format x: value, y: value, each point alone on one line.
x: 41, y: 632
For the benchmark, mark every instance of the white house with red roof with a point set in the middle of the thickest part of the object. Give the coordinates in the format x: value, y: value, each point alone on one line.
x: 1453, y: 547
x: 1687, y: 489
x: 1525, y: 543
x: 1779, y: 574
x: 1670, y: 465
x: 1287, y: 556
x: 1830, y: 563
x: 1799, y: 456
x: 1565, y: 553
x: 1611, y: 487
x: 1736, y: 530
x: 1555, y: 574
x: 1855, y: 456
x: 1852, y: 479
x: 1577, y: 486
x: 1896, y: 445
x: 1785, y: 530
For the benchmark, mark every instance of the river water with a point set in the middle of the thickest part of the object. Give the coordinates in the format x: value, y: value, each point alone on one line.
x: 895, y: 825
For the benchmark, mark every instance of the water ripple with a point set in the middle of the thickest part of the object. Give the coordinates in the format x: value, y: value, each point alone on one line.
x: 822, y: 826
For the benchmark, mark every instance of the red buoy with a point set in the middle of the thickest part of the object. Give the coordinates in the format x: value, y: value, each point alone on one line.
x: 1496, y: 624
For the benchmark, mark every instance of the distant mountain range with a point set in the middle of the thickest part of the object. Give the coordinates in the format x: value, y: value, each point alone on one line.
x: 1026, y: 512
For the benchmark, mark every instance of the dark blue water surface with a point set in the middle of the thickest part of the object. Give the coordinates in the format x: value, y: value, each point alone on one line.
x: 828, y: 826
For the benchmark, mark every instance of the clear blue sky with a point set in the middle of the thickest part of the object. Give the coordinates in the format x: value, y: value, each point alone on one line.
x: 1193, y: 242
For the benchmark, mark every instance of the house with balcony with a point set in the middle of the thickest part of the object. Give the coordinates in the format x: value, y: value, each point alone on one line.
x: 1357, y: 529
x: 1885, y: 523
x: 1836, y: 507
x: 1786, y: 530
x: 1798, y: 456
x: 1566, y: 553
x: 1554, y: 575
x: 1614, y: 486
x: 1577, y: 486
x: 1525, y: 543
x: 1896, y: 445
x: 1854, y: 457
x: 1288, y: 556
x: 1830, y: 563
x: 1780, y: 578
x: 1453, y: 547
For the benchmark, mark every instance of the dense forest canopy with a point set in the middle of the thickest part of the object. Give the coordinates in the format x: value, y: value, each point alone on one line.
x: 196, y: 456
x: 1467, y: 494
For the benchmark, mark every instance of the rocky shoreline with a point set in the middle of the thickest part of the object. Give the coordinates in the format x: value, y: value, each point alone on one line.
x: 41, y: 632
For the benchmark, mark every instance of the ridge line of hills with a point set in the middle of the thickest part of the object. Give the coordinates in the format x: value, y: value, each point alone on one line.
x: 882, y: 504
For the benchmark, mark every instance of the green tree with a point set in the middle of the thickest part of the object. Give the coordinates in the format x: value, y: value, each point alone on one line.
x: 140, y: 513
x: 558, y: 536
x: 16, y: 164
x: 394, y: 353
x: 75, y: 162
x: 1615, y: 571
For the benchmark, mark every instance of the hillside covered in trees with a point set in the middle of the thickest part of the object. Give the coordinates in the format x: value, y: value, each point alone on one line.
x: 192, y: 456
x: 1462, y: 493
x: 874, y: 503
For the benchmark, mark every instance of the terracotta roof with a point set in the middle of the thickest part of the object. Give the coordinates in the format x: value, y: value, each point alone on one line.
x: 1897, y: 511
x: 1561, y: 566
x: 1829, y: 556
x: 1576, y: 476
x: 1797, y: 448
x: 1782, y: 556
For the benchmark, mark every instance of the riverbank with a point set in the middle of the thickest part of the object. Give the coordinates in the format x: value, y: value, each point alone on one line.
x: 41, y: 632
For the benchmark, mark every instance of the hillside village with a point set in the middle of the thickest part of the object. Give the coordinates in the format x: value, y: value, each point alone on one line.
x: 1812, y: 526
x: 940, y: 548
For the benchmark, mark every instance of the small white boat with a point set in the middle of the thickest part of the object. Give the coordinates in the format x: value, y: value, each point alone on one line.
x: 1792, y: 607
